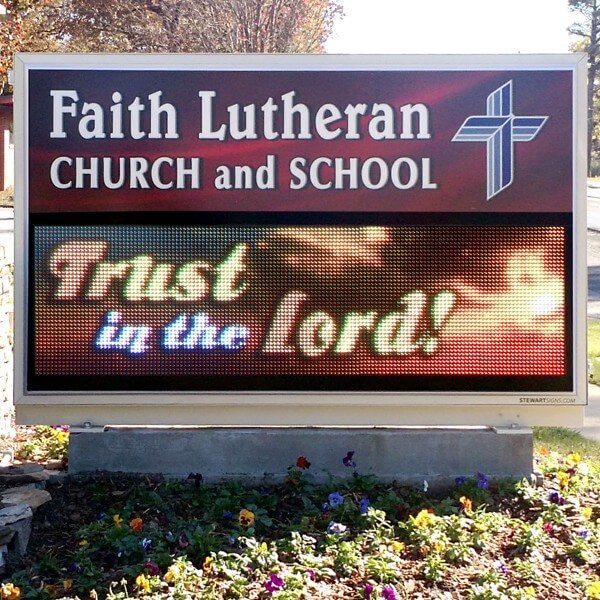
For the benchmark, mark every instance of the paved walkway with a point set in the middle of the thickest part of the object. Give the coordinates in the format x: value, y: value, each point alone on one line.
x: 591, y: 423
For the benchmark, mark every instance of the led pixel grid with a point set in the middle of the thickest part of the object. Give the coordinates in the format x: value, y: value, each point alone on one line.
x: 236, y: 307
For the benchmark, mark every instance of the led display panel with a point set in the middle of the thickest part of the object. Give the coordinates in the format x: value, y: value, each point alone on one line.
x: 235, y: 226
x: 300, y: 307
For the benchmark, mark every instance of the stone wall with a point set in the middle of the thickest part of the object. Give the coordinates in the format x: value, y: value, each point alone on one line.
x: 6, y: 322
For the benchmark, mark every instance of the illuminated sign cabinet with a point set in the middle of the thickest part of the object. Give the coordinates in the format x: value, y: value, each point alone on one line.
x: 300, y: 239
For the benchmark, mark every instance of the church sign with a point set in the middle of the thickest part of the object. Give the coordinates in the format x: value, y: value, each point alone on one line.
x: 300, y: 239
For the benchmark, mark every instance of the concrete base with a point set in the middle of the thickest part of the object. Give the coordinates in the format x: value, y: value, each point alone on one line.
x: 410, y: 454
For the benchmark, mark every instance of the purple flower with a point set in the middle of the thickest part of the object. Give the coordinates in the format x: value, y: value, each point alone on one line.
x: 146, y: 544
x: 74, y: 568
x: 584, y: 534
x: 311, y: 574
x: 388, y: 593
x: 348, y: 460
x: 152, y: 568
x: 483, y: 481
x: 335, y: 499
x: 324, y: 507
x: 227, y: 514
x: 460, y: 480
x: 363, y: 505
x: 368, y: 591
x: 334, y: 527
x: 556, y: 498
x: 183, y: 542
x: 500, y: 567
x: 274, y: 583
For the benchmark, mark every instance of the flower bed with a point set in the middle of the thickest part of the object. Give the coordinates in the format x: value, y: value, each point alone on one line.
x: 123, y: 537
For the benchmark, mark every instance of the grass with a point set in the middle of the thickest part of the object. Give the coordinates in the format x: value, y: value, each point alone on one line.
x: 565, y: 441
x: 593, y: 337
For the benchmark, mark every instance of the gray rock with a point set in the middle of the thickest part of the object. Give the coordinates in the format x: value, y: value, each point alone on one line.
x: 6, y: 535
x: 17, y: 518
x: 24, y: 495
x: 12, y: 514
x: 17, y: 474
x: 21, y: 469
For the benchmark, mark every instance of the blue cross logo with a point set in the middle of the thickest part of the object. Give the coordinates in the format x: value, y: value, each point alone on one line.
x: 499, y: 128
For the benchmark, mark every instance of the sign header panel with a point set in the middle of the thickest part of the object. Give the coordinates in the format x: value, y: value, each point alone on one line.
x: 383, y: 141
x: 238, y: 228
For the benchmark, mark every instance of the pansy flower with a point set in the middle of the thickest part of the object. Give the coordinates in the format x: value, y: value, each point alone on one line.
x: 74, y: 568
x: 117, y: 520
x: 10, y: 590
x: 500, y: 566
x: 302, y: 463
x: 142, y: 583
x: 348, y: 460
x: 337, y: 528
x: 466, y: 503
x: 246, y: 518
x: 151, y: 567
x: 548, y: 527
x: 274, y: 583
x: 556, y: 498
x: 363, y: 506
x: 136, y: 524
x: 483, y: 481
x: 424, y: 518
x: 207, y: 564
x: 173, y: 574
x: 584, y: 534
x: 368, y: 591
x: 335, y: 499
x: 389, y: 593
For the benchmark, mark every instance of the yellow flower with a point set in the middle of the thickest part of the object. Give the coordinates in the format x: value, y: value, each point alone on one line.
x: 593, y: 591
x: 466, y: 504
x: 563, y: 479
x: 67, y: 584
x: 83, y: 543
x: 586, y: 511
x: 10, y: 590
x: 50, y: 589
x: 424, y: 518
x: 142, y: 583
x: 136, y: 524
x: 173, y: 572
x: 573, y: 458
x: 397, y: 546
x: 207, y: 564
x: 439, y: 546
x: 246, y: 518
x: 118, y: 521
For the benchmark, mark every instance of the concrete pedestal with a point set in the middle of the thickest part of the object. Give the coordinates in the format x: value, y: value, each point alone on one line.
x: 410, y: 454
